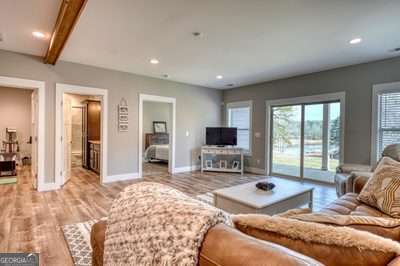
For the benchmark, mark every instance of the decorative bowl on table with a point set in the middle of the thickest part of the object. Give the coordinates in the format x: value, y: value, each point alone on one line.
x: 266, y: 186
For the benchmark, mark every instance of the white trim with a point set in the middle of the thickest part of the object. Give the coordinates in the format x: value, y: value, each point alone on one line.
x: 49, y: 187
x: 186, y: 169
x: 122, y: 177
x: 155, y: 98
x: 66, y: 88
x: 254, y: 170
x: 378, y: 89
x: 238, y: 104
x: 341, y: 96
x: 40, y: 86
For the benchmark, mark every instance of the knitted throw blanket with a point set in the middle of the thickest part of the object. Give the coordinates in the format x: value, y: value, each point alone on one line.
x: 152, y: 224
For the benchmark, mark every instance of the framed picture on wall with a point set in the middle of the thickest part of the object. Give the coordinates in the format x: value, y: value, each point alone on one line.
x: 159, y: 127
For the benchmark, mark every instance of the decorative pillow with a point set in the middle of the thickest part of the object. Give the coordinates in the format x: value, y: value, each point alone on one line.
x: 387, y: 161
x: 383, y: 190
x: 328, y: 244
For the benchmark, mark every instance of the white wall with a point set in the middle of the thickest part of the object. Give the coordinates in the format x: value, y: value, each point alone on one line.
x: 15, y: 112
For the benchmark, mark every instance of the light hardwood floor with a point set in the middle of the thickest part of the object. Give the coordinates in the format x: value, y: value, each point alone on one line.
x: 30, y: 221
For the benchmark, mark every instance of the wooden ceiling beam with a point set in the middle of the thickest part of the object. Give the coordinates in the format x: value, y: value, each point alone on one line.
x: 68, y: 16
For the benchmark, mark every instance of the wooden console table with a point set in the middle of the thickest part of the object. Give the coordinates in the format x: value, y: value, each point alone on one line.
x: 222, y: 159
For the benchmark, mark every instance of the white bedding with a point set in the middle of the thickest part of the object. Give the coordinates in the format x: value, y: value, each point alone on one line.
x: 157, y: 152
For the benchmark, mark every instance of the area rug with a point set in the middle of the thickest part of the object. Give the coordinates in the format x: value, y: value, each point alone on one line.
x: 78, y: 240
x: 8, y: 180
x: 206, y: 198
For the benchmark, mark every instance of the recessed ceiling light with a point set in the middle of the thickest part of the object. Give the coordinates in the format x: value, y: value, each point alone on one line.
x: 219, y: 77
x: 355, y: 41
x: 154, y: 61
x: 38, y: 34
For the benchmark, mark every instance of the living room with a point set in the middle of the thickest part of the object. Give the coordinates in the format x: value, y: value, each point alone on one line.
x: 283, y: 120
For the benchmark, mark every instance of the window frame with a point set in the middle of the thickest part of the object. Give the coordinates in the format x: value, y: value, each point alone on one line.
x: 377, y: 90
x: 241, y: 104
x: 318, y: 98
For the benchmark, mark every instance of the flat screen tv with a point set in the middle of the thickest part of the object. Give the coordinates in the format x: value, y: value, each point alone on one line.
x: 221, y: 136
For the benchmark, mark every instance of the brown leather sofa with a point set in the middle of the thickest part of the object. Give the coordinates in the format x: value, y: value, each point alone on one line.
x: 223, y: 246
x: 226, y: 246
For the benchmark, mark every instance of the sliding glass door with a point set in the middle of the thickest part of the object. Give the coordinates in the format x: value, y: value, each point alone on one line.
x: 286, y: 138
x: 305, y: 140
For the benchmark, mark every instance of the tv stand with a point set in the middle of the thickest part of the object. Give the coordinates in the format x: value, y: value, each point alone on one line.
x: 222, y: 159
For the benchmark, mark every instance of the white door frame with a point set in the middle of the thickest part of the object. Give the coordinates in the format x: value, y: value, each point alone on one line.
x: 66, y: 88
x: 41, y: 122
x: 155, y: 98
x: 341, y: 96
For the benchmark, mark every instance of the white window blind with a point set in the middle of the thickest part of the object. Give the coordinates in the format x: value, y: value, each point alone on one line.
x: 388, y: 120
x: 239, y: 116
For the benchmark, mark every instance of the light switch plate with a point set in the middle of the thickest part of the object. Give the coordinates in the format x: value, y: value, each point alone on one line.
x: 187, y: 133
x: 257, y: 134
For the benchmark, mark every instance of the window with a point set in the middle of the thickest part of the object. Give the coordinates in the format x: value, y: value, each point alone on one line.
x: 386, y: 113
x: 239, y: 115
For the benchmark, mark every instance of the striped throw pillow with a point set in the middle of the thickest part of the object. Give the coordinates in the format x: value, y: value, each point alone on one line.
x: 383, y: 190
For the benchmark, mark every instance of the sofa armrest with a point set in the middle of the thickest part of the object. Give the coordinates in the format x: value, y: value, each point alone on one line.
x: 226, y: 246
x: 359, y: 182
x: 349, y: 167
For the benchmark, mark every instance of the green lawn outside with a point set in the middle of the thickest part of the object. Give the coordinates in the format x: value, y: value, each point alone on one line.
x: 309, y: 162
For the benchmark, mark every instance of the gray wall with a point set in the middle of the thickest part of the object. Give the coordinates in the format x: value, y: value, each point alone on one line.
x: 197, y: 107
x: 355, y: 80
x: 15, y: 112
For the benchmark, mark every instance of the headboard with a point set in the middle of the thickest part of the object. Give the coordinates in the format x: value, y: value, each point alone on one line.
x: 156, y: 138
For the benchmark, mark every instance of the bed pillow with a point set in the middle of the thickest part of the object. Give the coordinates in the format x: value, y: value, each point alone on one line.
x: 330, y: 245
x: 382, y: 191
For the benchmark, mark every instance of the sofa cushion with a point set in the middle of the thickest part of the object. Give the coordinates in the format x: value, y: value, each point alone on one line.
x: 328, y: 244
x: 383, y: 190
x: 382, y: 226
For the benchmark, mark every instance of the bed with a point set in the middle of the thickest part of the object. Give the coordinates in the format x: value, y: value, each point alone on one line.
x: 157, y: 147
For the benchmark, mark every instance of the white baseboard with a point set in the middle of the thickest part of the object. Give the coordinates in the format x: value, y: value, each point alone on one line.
x: 122, y: 177
x: 186, y: 169
x: 254, y: 170
x: 48, y: 187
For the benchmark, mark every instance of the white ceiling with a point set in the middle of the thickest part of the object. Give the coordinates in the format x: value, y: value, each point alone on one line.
x: 19, y: 18
x: 245, y: 41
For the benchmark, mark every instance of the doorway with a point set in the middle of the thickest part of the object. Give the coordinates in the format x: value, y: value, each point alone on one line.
x: 33, y: 153
x: 305, y: 138
x: 81, y: 130
x: 156, y: 135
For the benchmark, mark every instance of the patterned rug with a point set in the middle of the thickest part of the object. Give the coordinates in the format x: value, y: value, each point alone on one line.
x: 78, y: 239
x: 206, y: 198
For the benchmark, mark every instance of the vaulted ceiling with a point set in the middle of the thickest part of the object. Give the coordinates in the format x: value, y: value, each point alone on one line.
x: 244, y: 41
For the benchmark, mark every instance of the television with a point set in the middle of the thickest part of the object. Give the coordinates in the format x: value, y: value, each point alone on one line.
x: 221, y: 136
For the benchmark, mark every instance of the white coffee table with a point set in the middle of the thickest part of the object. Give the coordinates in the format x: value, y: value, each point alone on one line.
x: 246, y: 198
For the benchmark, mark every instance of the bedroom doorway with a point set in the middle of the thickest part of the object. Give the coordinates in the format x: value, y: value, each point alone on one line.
x: 156, y: 135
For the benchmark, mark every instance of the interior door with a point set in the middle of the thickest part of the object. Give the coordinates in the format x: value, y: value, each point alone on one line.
x: 67, y: 108
x: 34, y: 138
